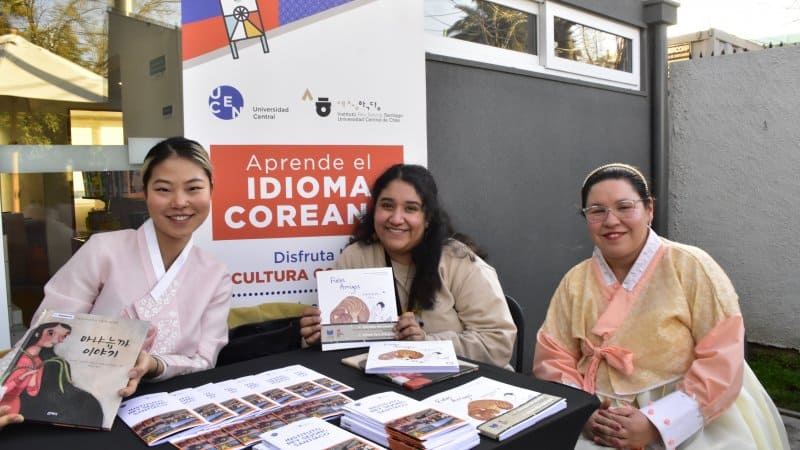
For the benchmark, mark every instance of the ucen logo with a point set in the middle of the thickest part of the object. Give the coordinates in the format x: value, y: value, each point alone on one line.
x: 225, y: 102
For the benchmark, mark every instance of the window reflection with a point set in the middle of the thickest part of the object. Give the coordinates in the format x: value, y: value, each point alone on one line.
x: 588, y: 45
x: 47, y: 216
x: 482, y: 22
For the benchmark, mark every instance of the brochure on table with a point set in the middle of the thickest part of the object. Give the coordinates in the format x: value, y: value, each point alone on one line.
x: 313, y: 434
x: 499, y: 410
x: 392, y: 419
x: 411, y: 356
x: 358, y: 306
x: 287, y: 394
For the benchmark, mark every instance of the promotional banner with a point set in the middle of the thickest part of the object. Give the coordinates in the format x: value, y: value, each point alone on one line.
x: 302, y: 105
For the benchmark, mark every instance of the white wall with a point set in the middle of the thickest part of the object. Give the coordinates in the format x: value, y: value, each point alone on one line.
x: 735, y: 179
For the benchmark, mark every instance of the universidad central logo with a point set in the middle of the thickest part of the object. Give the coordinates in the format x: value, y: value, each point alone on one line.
x: 226, y: 102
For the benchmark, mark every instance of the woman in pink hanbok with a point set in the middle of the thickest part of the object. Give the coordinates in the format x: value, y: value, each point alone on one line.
x: 154, y: 273
x: 653, y: 328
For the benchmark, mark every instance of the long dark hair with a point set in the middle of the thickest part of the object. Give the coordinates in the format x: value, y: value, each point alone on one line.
x: 58, y: 398
x: 33, y: 338
x: 439, y: 232
x: 45, y: 352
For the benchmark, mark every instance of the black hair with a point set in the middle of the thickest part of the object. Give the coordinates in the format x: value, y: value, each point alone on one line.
x: 617, y: 171
x: 439, y: 232
x: 45, y: 352
x: 176, y: 146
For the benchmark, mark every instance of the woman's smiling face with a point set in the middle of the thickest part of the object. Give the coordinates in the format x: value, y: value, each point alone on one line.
x: 178, y: 196
x: 399, y: 220
x: 619, y: 239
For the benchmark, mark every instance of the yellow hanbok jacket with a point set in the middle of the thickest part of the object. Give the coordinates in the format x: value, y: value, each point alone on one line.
x: 668, y: 340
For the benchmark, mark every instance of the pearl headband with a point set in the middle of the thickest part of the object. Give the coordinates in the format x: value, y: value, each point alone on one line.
x: 626, y: 167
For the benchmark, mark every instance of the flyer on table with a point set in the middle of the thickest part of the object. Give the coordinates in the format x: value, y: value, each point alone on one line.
x: 301, y: 105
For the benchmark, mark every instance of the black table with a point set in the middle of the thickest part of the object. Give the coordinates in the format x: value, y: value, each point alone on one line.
x: 557, y: 432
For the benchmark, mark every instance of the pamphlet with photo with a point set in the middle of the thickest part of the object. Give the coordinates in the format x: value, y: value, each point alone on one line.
x: 397, y: 421
x: 314, y: 434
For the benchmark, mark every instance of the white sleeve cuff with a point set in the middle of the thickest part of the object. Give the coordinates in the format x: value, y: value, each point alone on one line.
x: 676, y: 416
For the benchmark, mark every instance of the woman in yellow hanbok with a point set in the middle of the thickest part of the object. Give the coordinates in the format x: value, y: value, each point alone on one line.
x: 653, y: 328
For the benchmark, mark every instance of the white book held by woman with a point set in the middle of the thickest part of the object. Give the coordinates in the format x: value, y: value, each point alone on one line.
x: 357, y: 306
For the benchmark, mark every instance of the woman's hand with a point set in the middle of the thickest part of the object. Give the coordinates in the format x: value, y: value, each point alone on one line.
x: 146, y: 366
x: 310, y: 325
x: 624, y: 427
x: 407, y: 328
x: 6, y: 418
x: 592, y: 424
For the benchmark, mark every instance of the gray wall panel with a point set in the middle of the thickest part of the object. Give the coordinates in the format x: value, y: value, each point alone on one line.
x: 509, y: 152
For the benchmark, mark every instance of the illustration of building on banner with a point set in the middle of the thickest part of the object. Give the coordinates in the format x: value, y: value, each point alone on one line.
x: 243, y: 21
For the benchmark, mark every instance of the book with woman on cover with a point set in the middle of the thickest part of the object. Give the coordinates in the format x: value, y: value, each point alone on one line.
x: 69, y: 367
x: 357, y: 306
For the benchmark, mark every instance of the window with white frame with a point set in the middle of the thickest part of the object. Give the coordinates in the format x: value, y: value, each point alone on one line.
x: 582, y: 43
x: 535, y: 35
x: 502, y: 32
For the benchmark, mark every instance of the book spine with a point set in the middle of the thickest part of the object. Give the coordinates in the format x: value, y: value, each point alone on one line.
x: 497, y: 427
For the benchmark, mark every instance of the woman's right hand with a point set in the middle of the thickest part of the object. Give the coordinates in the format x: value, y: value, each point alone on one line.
x: 310, y: 327
x: 591, y: 427
x: 146, y: 366
x: 6, y: 418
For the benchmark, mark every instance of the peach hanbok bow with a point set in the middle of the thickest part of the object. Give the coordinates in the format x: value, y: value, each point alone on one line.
x: 616, y: 357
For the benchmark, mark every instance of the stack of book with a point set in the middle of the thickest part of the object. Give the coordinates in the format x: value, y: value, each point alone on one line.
x: 397, y: 421
x: 411, y: 380
x: 312, y: 434
x: 497, y: 409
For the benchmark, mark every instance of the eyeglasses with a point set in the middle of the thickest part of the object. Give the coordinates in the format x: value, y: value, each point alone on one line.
x: 625, y: 209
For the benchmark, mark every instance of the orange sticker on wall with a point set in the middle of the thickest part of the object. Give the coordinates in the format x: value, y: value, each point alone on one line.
x: 279, y: 191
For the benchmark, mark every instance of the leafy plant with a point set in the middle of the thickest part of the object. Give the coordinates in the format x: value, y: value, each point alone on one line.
x: 778, y: 370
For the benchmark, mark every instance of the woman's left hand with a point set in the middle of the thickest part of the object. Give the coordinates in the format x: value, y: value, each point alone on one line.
x: 146, y: 365
x: 634, y: 429
x: 407, y: 328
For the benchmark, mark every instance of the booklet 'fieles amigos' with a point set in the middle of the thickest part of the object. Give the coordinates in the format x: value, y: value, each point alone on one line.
x: 358, y: 306
x: 68, y: 368
x: 411, y: 356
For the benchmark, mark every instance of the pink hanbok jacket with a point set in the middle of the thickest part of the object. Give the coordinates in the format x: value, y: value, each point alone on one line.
x: 121, y: 274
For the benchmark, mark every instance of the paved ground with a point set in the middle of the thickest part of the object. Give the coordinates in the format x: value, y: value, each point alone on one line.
x: 793, y: 429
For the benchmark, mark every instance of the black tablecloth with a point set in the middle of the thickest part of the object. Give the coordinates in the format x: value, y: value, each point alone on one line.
x: 557, y: 432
